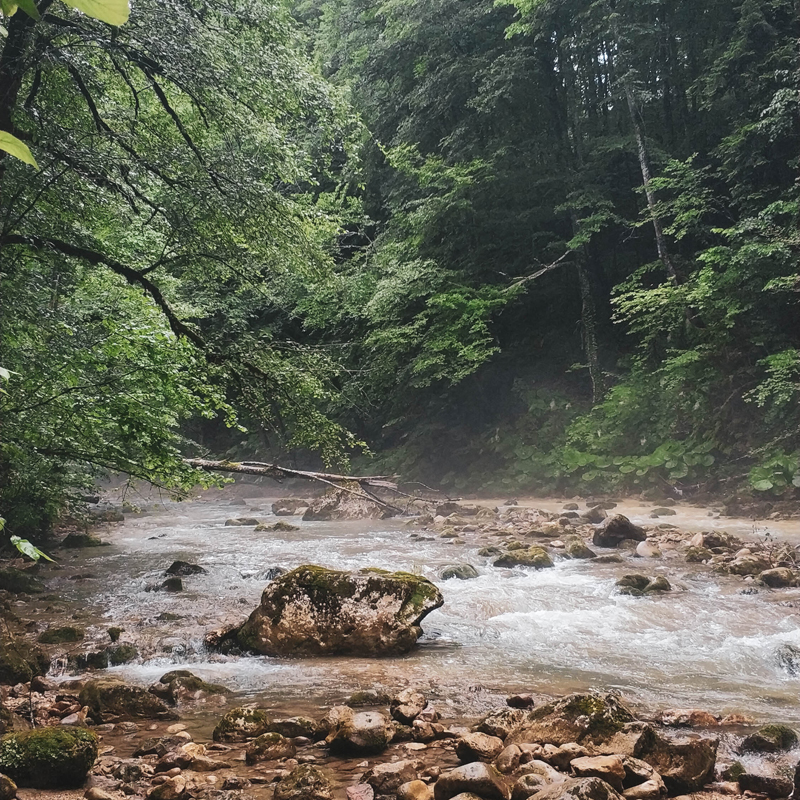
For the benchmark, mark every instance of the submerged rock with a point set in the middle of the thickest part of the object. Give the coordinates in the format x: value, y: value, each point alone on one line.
x: 269, y: 747
x: 48, y: 758
x: 615, y: 530
x: 533, y: 556
x: 181, y: 687
x: 78, y: 540
x: 313, y: 611
x: 306, y: 782
x: 461, y: 571
x: 60, y: 635
x: 184, y: 568
x: 110, y: 698
x: 289, y: 506
x: 407, y: 705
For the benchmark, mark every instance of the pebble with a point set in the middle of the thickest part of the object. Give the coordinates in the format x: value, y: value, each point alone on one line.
x: 176, y: 728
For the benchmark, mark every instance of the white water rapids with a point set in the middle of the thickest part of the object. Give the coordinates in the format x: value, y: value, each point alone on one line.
x: 704, y: 645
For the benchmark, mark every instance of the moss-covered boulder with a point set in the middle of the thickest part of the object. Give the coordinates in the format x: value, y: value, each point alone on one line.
x: 20, y: 581
x: 269, y: 747
x: 770, y: 739
x: 109, y: 699
x: 361, y: 733
x: 181, y: 687
x: 63, y: 635
x: 313, y: 611
x: 48, y: 758
x: 20, y: 661
x: 535, y: 556
x: 574, y: 718
x: 241, y: 724
x: 306, y: 782
x: 575, y: 547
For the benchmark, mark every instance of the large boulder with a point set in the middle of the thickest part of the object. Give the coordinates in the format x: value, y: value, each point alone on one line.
x: 20, y: 661
x: 478, y: 747
x: 475, y: 778
x: 362, y: 733
x: 615, y: 530
x: 574, y: 718
x: 48, y: 758
x: 686, y: 764
x: 110, y: 699
x: 306, y: 782
x: 314, y: 611
x: 242, y: 723
x: 348, y: 502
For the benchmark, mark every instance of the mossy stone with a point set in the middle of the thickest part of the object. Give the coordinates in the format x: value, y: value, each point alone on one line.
x: 78, y: 540
x: 269, y: 747
x: 770, y: 739
x: 635, y: 581
x: 114, y: 633
x: 48, y: 758
x: 696, y: 555
x: 122, y: 654
x: 533, y: 556
x: 111, y: 698
x: 240, y: 724
x: 19, y: 661
x: 20, y: 581
x: 61, y: 635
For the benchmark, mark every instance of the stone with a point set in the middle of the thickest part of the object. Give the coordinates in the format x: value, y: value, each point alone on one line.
x: 778, y: 578
x: 184, y: 568
x: 407, y: 705
x: 242, y: 522
x: 575, y: 547
x: 715, y: 540
x: 696, y: 555
x: 96, y: 793
x: 634, y: 583
x: 60, y: 635
x: 749, y: 564
x: 181, y: 687
x: 108, y: 697
x: 240, y: 724
x: 770, y: 739
x: 345, y: 502
x: 574, y: 718
x: 520, y: 701
x: 508, y: 759
x: 534, y: 556
x: 502, y: 723
x: 363, y: 733
x: 647, y: 550
x: 294, y: 727
x: 20, y: 581
x: 368, y: 697
x: 288, y: 506
x: 461, y: 571
x: 688, y: 718
x: 48, y: 758
x: 360, y: 791
x: 562, y: 756
x: 594, y: 515
x: 787, y: 657
x: 20, y: 661
x: 80, y: 540
x: 658, y: 584
x: 526, y: 786
x: 610, y: 768
x: 173, y: 584
x: 414, y: 790
x: 578, y: 789
x: 763, y: 784
x: 269, y: 747
x: 313, y: 611
x: 615, y: 529
x: 305, y: 782
x: 8, y: 789
x: 173, y: 788
x: 478, y: 747
x: 278, y: 527
x: 685, y: 764
x: 387, y: 778
x: 477, y: 778
x: 663, y: 512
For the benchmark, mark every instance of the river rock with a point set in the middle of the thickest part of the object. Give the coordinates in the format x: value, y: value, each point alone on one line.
x: 533, y: 556
x: 313, y: 611
x: 578, y: 789
x: 240, y: 724
x: 269, y: 747
x: 111, y: 698
x: 181, y: 687
x: 615, y: 529
x: 414, y: 790
x: 293, y: 727
x: 289, y: 506
x: 503, y: 722
x: 641, y: 781
x: 463, y: 572
x: 715, y: 540
x: 48, y: 758
x: 173, y: 788
x: 20, y: 581
x: 348, y: 502
x: 647, y: 550
x: 387, y: 778
x: 696, y: 555
x: 508, y: 759
x: 609, y: 768
x: 363, y: 733
x: 787, y: 657
x: 574, y: 718
x: 184, y: 568
x: 763, y: 784
x: 79, y: 540
x: 770, y: 739
x: 526, y: 786
x: 687, y: 718
x: 8, y: 789
x: 477, y: 778
x: 360, y: 791
x: 749, y: 564
x: 575, y: 547
x: 594, y: 515
x: 20, y: 661
x: 478, y: 747
x: 407, y: 705
x: 305, y: 782
x: 778, y: 578
x: 241, y: 522
x: 685, y: 764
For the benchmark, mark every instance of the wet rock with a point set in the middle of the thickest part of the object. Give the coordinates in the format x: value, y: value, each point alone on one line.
x: 578, y: 789
x: 476, y: 778
x: 715, y: 540
x: 361, y: 791
x: 641, y: 782
x: 241, y: 522
x: 277, y: 527
x: 687, y: 718
x: 363, y: 733
x: 8, y: 789
x: 574, y: 718
x: 770, y: 739
x: 526, y: 786
x: 788, y: 658
x: 368, y: 697
x: 414, y: 790
x: 407, y: 705
x: 663, y: 512
x: 610, y: 768
x: 658, y: 584
x: 20, y: 661
x: 696, y: 555
x: 294, y: 727
x: 533, y: 556
x: 685, y: 764
x: 60, y: 635
x: 348, y: 502
x: 20, y: 581
x: 80, y: 540
x: 478, y: 747
x: 306, y: 782
x: 386, y: 779
x: 184, y: 568
x: 632, y: 584
x: 463, y: 572
x: 778, y: 578
x: 751, y: 564
x: 594, y: 515
x: 615, y: 529
x: 173, y: 788
x: 181, y: 687
x: 520, y: 701
x: 110, y: 698
x: 240, y: 724
x: 647, y: 550
x: 173, y: 584
x: 502, y: 723
x: 289, y: 506
x: 575, y: 547
x: 269, y: 747
x: 763, y: 784
x: 48, y: 758
x: 609, y: 558
x: 316, y: 611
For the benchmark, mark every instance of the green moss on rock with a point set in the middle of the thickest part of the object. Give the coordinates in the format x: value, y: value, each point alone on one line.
x: 48, y: 758
x: 61, y: 635
x: 112, y: 699
x: 240, y: 724
x: 770, y: 739
x: 20, y: 661
x: 20, y: 581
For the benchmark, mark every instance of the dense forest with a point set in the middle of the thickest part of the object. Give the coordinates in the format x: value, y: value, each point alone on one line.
x: 522, y: 246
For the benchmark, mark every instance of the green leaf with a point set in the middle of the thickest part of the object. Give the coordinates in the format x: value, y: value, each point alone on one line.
x: 114, y: 12
x: 626, y: 468
x: 29, y: 7
x: 762, y: 485
x: 8, y: 7
x: 17, y: 148
x: 28, y: 549
x: 796, y: 480
x: 590, y: 475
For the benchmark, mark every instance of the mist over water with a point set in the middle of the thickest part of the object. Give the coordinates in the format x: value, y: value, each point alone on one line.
x: 706, y: 644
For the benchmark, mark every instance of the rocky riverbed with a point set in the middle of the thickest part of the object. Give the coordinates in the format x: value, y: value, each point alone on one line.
x: 694, y: 623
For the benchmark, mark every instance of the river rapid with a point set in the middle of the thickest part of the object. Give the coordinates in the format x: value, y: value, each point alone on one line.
x: 710, y: 643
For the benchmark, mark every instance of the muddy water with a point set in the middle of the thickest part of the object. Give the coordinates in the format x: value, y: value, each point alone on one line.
x: 706, y: 644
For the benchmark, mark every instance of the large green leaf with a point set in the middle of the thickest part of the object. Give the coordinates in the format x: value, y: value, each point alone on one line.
x: 114, y: 12
x: 29, y: 7
x: 28, y: 549
x: 17, y: 148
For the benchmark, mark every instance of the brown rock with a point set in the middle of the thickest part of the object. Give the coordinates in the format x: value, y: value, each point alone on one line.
x: 478, y: 747
x: 477, y: 777
x: 414, y: 790
x: 763, y: 784
x: 360, y: 791
x: 407, y: 705
x: 684, y: 764
x: 578, y: 789
x: 173, y: 788
x: 609, y: 768
x: 508, y: 759
x: 387, y: 778
x: 8, y: 789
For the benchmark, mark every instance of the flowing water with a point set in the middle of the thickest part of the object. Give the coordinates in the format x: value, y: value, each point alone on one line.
x: 706, y: 644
